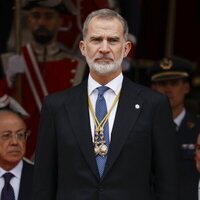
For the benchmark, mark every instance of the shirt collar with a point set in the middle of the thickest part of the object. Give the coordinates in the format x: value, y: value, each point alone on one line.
x: 115, y: 85
x: 179, y: 118
x: 16, y: 171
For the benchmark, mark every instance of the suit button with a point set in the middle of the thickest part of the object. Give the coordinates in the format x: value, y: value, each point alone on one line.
x: 108, y: 164
x: 100, y: 188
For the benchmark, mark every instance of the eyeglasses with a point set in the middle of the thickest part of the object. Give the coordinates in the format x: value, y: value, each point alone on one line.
x: 19, y: 136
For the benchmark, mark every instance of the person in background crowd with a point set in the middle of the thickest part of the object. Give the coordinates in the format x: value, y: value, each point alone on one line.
x: 197, y: 158
x: 197, y: 153
x: 103, y: 139
x: 171, y: 76
x: 45, y: 67
x: 15, y: 172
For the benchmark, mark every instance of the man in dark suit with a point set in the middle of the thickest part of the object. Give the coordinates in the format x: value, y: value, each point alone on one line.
x: 19, y: 172
x: 171, y: 76
x: 81, y: 156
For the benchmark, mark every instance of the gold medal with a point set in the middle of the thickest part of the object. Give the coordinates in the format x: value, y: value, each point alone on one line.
x: 103, y: 150
x: 96, y: 150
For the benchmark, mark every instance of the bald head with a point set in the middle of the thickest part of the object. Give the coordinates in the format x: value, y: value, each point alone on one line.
x: 12, y: 139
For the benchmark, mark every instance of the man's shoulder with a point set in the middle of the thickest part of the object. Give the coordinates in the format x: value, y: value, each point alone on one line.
x: 27, y: 170
x: 67, y: 94
x: 63, y: 53
x: 191, y: 115
x: 64, y: 56
x: 192, y: 119
x: 142, y: 90
x: 28, y: 164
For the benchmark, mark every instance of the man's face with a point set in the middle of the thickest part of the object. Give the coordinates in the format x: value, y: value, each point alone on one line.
x: 44, y: 24
x: 104, y: 46
x: 12, y: 149
x: 175, y: 90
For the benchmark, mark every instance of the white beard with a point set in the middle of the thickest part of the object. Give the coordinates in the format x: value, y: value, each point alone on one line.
x: 104, y: 68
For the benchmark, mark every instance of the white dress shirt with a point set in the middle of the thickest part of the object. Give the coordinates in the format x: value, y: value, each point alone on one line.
x: 115, y: 86
x: 199, y: 191
x: 15, y: 181
x: 179, y: 118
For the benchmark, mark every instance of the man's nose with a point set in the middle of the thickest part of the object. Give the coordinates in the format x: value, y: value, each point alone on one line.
x: 168, y: 88
x: 41, y: 21
x: 14, y: 139
x: 104, y: 47
x: 168, y: 85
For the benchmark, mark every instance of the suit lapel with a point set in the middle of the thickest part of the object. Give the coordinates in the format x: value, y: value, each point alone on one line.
x: 25, y: 190
x: 187, y: 129
x: 129, y: 108
x: 79, y: 118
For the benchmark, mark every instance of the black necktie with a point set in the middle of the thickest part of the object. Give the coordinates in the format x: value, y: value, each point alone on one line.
x: 7, y: 192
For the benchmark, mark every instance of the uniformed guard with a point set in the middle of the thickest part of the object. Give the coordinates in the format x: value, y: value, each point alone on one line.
x: 45, y: 66
x: 171, y: 76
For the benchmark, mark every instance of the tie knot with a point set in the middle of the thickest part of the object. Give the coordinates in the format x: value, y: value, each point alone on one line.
x: 7, y: 177
x: 101, y: 90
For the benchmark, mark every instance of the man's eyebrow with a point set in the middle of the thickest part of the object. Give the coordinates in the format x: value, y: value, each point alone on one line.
x: 113, y: 38
x: 109, y: 37
x: 6, y: 131
x: 94, y: 37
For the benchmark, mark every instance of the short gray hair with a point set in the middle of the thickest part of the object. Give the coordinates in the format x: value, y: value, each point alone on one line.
x: 105, y: 14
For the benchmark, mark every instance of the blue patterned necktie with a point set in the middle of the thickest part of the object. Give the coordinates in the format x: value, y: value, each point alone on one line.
x: 7, y: 192
x: 101, y: 111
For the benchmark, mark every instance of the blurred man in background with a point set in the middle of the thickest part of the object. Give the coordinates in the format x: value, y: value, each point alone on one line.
x: 171, y: 76
x: 45, y: 67
x: 15, y: 172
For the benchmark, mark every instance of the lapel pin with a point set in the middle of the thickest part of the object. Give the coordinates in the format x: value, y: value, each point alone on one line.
x: 190, y: 124
x: 137, y: 106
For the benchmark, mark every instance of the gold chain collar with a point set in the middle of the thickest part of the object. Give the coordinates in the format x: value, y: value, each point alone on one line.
x: 100, y: 147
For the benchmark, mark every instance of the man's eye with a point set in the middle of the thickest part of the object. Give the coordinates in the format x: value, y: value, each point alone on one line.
x: 36, y: 15
x: 113, y: 41
x: 162, y: 83
x: 20, y: 135
x: 5, y: 136
x: 49, y: 16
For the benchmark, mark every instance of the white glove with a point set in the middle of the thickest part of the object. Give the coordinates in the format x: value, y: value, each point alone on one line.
x: 6, y: 100
x: 15, y: 66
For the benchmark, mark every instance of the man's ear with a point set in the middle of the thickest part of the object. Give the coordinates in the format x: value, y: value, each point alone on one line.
x: 127, y: 48
x: 28, y: 20
x: 187, y: 87
x: 82, y: 47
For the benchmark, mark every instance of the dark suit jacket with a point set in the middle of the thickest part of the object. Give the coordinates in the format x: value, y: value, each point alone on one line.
x: 143, y: 142
x: 25, y: 190
x: 189, y: 177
